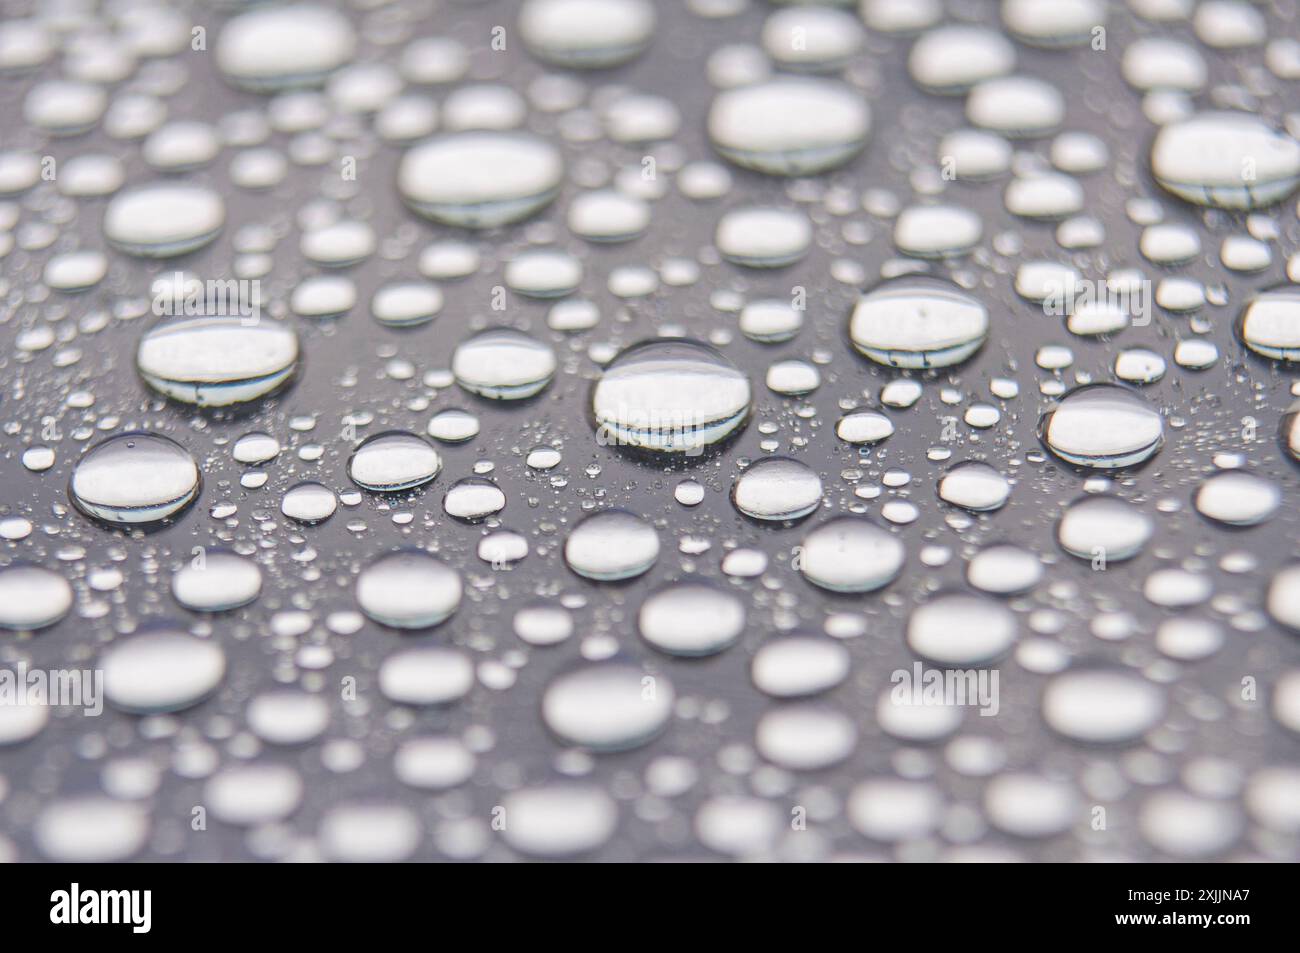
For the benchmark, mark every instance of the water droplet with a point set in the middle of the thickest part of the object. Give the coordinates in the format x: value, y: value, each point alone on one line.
x: 408, y: 589
x: 916, y: 322
x: 135, y: 479
x: 217, y: 581
x: 1102, y: 705
x: 790, y: 126
x: 1226, y: 160
x: 851, y: 554
x: 691, y: 619
x: 217, y: 361
x: 1103, y: 426
x: 32, y: 597
x: 393, y: 461
x: 777, y: 488
x: 671, y: 396
x: 607, y: 706
x: 611, y: 545
x: 161, y: 670
x: 503, y: 364
x: 480, y: 179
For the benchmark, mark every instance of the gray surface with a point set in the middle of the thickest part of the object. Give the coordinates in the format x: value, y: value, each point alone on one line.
x: 1205, y: 411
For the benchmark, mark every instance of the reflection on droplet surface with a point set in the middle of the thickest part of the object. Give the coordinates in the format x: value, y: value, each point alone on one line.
x: 408, y: 589
x: 918, y: 322
x: 611, y: 545
x: 164, y: 220
x: 1102, y: 705
x: 691, y: 619
x: 480, y: 179
x: 393, y: 461
x: 961, y: 630
x: 309, y: 502
x: 1104, y: 527
x: 503, y: 364
x: 607, y: 706
x: 1270, y: 323
x: 32, y: 597
x: 1226, y: 160
x: 777, y: 488
x: 670, y: 396
x: 134, y: 479
x: 216, y: 362
x: 161, y: 670
x: 851, y: 554
x: 217, y: 580
x: 974, y: 486
x: 789, y: 126
x: 1103, y: 426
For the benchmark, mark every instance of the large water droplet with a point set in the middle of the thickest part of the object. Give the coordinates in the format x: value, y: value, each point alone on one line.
x: 917, y: 321
x: 611, y: 545
x: 135, y: 479
x: 1226, y: 160
x: 607, y: 706
x: 393, y: 461
x: 217, y: 361
x: 161, y: 670
x: 1103, y: 426
x: 480, y: 179
x: 790, y: 126
x: 851, y: 554
x: 777, y: 488
x: 503, y: 364
x: 408, y: 589
x: 670, y: 396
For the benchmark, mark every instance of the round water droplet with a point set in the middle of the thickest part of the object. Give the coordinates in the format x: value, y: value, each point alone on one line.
x: 805, y: 736
x: 1102, y: 705
x: 676, y: 396
x: 851, y: 554
x: 1105, y: 528
x: 480, y: 179
x: 607, y: 706
x: 430, y: 675
x: 799, y: 665
x: 503, y: 364
x: 1226, y: 160
x: 1238, y: 498
x: 32, y: 597
x: 1103, y: 426
x: 249, y: 795
x: 763, y: 237
x: 974, y: 486
x: 1270, y: 323
x: 611, y: 545
x: 217, y: 580
x: 272, y: 48
x: 691, y: 619
x: 217, y: 361
x: 559, y: 820
x: 961, y: 630
x: 135, y: 479
x: 408, y: 589
x: 472, y: 499
x: 777, y: 488
x: 790, y: 126
x: 164, y: 219
x: 161, y: 670
x: 918, y: 321
x: 393, y: 461
x: 309, y: 502
x: 586, y: 34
